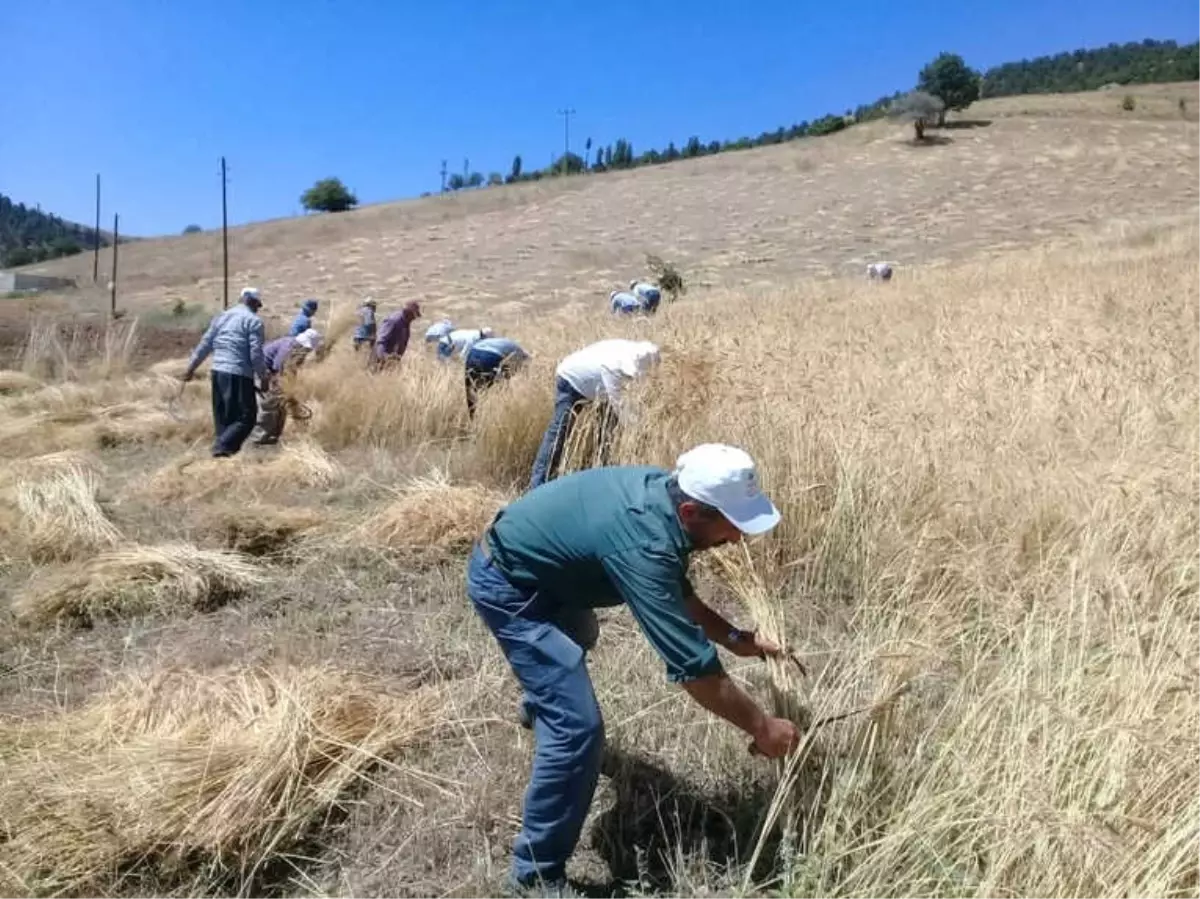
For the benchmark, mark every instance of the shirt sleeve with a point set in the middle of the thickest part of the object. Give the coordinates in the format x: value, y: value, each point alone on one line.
x: 653, y: 585
x: 255, y: 339
x: 205, y: 346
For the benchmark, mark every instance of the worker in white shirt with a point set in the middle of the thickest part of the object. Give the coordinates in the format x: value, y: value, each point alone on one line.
x: 596, y: 373
x: 437, y: 331
x: 459, y: 341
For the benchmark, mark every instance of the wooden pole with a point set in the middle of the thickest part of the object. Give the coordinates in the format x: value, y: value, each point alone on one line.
x: 113, y: 285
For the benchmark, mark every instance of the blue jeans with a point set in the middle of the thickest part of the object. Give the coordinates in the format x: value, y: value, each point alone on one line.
x: 546, y: 650
x: 235, y: 411
x: 566, y: 398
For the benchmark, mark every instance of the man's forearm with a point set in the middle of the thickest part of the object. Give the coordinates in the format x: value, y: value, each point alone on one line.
x: 714, y: 626
x: 721, y: 696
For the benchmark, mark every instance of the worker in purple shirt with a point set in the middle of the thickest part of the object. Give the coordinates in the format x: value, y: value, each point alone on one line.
x: 284, y: 357
x: 394, y: 333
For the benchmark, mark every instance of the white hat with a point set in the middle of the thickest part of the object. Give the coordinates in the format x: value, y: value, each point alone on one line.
x: 309, y: 339
x: 724, y: 477
x: 486, y: 332
x: 641, y: 356
x: 250, y: 293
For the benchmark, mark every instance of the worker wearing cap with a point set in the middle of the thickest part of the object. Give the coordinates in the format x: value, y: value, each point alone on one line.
x: 648, y: 294
x: 622, y: 302
x: 235, y: 340
x: 596, y: 373
x: 365, y: 332
x: 459, y: 341
x: 304, y: 318
x: 394, y: 334
x: 284, y: 357
x: 437, y: 331
x: 488, y: 361
x: 607, y: 537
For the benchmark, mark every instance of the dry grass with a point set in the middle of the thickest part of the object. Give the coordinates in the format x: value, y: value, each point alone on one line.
x: 295, y: 465
x: 60, y: 515
x: 987, y: 470
x: 431, y: 518
x: 17, y: 382
x: 190, y: 783
x: 134, y: 581
x: 258, y: 529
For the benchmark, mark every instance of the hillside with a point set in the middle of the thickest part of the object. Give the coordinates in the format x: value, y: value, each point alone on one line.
x: 28, y: 235
x: 1009, y: 173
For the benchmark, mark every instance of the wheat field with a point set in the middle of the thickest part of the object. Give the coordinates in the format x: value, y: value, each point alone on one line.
x: 988, y: 476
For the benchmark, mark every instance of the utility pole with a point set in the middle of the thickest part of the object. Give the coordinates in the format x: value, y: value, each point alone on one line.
x: 112, y: 287
x: 566, y: 114
x: 96, y: 247
x: 443, y: 176
x: 224, y: 239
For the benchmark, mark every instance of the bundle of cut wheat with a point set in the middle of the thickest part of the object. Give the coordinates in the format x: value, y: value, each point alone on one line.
x: 431, y: 515
x: 61, y: 517
x: 137, y: 580
x: 193, y: 783
x: 296, y: 464
x: 258, y: 529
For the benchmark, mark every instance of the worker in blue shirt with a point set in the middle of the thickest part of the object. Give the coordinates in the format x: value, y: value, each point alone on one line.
x: 304, y: 319
x: 605, y: 537
x: 488, y: 361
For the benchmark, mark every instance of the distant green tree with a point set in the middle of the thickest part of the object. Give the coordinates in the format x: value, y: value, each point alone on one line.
x: 495, y: 178
x: 328, y: 195
x: 475, y: 179
x: 951, y: 80
x: 608, y: 157
x: 456, y: 182
x: 1139, y: 62
x: 587, y: 152
x: 515, y: 174
x: 192, y: 229
x: 1129, y: 104
x: 568, y: 164
x: 827, y: 125
x: 599, y: 163
x: 920, y: 109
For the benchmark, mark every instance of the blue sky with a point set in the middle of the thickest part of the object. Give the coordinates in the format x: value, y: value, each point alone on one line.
x: 151, y: 93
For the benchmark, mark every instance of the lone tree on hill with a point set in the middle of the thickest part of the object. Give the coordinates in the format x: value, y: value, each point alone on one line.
x: 192, y: 229
x: 952, y: 81
x: 919, y: 108
x: 328, y: 195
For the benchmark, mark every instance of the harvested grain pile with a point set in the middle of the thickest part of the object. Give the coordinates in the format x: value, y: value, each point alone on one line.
x: 432, y: 514
x: 17, y: 382
x: 61, y: 518
x: 137, y: 580
x: 258, y: 529
x: 296, y: 464
x: 192, y: 782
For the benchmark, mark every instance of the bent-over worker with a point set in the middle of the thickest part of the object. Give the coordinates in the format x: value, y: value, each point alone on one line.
x: 606, y: 537
x: 394, y: 333
x: 303, y: 320
x: 284, y: 357
x: 438, y: 330
x: 490, y: 360
x: 235, y: 340
x: 365, y: 332
x: 595, y: 373
x: 458, y: 342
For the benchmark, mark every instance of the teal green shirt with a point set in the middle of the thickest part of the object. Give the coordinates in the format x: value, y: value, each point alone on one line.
x: 603, y: 537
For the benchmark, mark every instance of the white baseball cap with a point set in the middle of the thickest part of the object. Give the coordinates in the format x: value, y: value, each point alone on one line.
x: 250, y: 293
x: 725, y: 478
x: 310, y: 339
